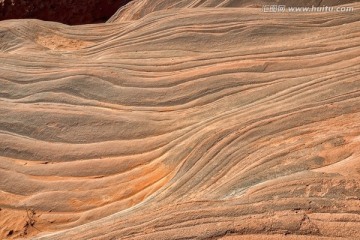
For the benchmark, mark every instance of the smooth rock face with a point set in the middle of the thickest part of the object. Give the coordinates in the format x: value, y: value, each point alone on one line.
x: 182, y: 123
x: 64, y: 11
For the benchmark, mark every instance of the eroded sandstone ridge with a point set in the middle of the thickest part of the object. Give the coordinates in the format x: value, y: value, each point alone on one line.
x: 65, y: 11
x: 201, y: 121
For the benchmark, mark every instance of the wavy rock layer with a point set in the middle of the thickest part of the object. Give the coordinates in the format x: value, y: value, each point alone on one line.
x: 205, y: 123
x: 140, y: 8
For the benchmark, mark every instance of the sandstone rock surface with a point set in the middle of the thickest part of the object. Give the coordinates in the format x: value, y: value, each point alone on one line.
x: 182, y: 123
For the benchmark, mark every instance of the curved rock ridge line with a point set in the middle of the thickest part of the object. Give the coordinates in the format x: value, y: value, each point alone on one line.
x: 187, y: 123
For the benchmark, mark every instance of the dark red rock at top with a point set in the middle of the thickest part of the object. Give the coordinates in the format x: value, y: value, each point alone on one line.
x: 70, y: 12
